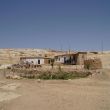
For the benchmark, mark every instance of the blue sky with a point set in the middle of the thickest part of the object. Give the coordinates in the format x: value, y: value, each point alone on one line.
x: 75, y: 24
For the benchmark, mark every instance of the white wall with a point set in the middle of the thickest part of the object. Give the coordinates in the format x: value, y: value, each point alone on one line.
x: 61, y: 60
x: 35, y: 61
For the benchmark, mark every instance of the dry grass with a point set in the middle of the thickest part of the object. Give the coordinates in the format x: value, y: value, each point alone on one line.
x: 48, y: 74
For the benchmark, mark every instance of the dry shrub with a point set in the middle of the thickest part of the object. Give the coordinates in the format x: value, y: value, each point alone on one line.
x: 51, y: 74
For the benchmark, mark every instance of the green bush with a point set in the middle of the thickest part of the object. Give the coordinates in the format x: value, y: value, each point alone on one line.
x: 63, y: 75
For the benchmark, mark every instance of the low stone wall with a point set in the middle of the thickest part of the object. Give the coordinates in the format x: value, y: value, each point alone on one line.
x: 63, y: 67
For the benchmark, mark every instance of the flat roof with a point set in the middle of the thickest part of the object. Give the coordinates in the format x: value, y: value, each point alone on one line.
x: 35, y: 57
x: 75, y: 53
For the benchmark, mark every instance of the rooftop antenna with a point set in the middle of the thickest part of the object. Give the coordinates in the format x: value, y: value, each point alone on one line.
x: 61, y: 47
x: 102, y: 46
x: 69, y: 48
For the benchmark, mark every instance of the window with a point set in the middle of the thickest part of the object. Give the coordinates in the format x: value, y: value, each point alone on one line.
x: 59, y: 59
x: 48, y: 61
x: 38, y: 61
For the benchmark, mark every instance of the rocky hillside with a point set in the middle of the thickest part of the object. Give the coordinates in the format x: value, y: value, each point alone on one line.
x: 11, y: 56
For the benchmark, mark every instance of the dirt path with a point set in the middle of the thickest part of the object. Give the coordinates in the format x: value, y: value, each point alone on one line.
x: 79, y: 94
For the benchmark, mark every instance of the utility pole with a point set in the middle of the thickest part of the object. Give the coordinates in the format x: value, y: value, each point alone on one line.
x: 102, y: 46
x: 61, y: 47
x: 69, y: 47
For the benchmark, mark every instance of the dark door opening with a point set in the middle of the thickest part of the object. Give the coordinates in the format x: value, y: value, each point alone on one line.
x: 38, y: 61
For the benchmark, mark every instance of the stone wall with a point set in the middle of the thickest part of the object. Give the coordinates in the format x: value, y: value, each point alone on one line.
x: 93, y: 64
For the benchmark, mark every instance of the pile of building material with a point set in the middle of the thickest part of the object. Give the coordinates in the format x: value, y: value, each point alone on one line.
x: 5, y: 66
x: 12, y: 76
x: 93, y: 64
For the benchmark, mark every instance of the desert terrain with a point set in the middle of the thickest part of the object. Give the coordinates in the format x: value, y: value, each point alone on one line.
x: 92, y: 93
x: 12, y: 56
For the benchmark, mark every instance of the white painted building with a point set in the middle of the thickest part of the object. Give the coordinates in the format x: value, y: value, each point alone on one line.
x: 59, y: 59
x: 76, y: 58
x: 65, y: 59
x: 34, y: 60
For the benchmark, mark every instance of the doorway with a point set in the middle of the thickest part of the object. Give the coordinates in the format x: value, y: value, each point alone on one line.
x: 39, y: 62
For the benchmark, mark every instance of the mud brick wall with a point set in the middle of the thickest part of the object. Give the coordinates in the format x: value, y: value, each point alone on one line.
x: 93, y: 64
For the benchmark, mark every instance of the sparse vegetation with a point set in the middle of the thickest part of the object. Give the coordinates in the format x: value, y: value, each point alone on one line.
x: 63, y: 75
x: 48, y: 75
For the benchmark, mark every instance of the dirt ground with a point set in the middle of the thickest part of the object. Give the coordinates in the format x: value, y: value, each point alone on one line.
x: 91, y: 93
